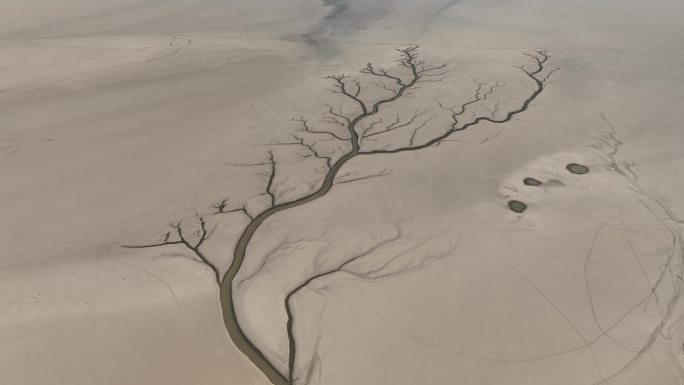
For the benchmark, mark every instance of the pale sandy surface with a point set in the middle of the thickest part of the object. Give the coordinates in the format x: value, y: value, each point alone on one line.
x: 119, y: 117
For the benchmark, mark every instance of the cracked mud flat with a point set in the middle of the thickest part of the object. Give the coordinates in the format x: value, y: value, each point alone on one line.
x: 406, y: 266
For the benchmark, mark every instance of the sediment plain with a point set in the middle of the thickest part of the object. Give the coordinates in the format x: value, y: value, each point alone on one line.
x: 411, y: 266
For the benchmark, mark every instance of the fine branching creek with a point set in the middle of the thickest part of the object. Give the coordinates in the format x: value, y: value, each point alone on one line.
x: 354, y: 134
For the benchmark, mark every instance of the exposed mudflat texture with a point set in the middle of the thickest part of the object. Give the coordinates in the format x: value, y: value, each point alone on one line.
x: 337, y: 192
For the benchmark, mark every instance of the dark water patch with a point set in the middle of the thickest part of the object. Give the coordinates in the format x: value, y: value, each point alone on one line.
x: 531, y: 182
x: 517, y: 206
x: 577, y: 168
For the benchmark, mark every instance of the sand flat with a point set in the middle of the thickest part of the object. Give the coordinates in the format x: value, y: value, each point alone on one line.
x: 119, y: 118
